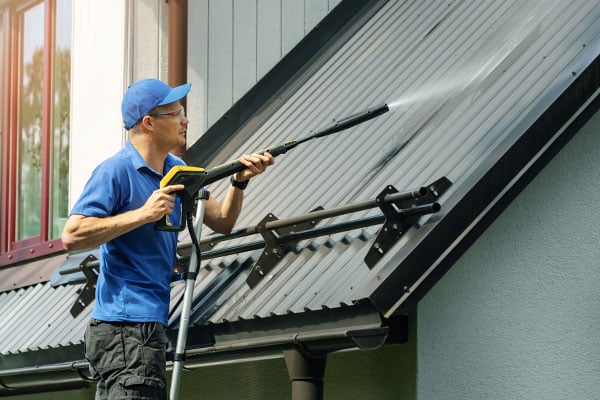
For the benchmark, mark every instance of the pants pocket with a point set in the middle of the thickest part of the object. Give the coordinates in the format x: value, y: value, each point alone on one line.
x: 141, y: 388
x: 104, y: 348
x: 154, y: 350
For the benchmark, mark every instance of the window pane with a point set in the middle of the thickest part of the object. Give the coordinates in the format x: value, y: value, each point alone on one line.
x: 60, y: 119
x: 30, y: 124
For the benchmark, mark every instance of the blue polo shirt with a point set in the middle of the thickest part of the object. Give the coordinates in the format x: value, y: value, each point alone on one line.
x: 135, y: 268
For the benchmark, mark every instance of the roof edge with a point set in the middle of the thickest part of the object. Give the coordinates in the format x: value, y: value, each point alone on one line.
x: 490, y: 196
x: 321, y: 330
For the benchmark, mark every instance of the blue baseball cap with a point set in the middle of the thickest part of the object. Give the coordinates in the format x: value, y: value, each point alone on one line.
x: 147, y: 94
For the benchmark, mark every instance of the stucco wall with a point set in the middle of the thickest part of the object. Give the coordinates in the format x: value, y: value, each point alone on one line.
x: 518, y: 317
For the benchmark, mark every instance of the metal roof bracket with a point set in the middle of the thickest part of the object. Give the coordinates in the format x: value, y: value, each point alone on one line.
x: 401, y: 214
x: 275, y: 247
x: 88, y: 293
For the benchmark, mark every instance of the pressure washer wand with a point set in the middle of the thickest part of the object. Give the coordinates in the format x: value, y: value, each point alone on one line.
x: 233, y: 167
x: 194, y: 178
x: 350, y: 121
x: 338, y: 126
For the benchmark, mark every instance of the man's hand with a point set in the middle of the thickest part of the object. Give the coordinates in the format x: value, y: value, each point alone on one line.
x: 221, y: 216
x: 81, y: 232
x: 255, y: 164
x: 160, y: 203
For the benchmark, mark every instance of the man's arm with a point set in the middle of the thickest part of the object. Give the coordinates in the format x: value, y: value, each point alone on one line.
x: 81, y: 232
x: 221, y: 216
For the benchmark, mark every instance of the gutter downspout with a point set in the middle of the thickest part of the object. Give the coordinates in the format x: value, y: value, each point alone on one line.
x: 306, y: 373
x: 177, y: 50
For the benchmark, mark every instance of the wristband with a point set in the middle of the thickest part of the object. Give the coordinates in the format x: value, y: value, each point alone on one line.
x: 239, y: 185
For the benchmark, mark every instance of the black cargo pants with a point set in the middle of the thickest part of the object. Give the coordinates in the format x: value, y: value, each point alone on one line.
x: 127, y: 359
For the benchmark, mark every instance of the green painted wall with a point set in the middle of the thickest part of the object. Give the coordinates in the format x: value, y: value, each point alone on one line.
x: 518, y: 317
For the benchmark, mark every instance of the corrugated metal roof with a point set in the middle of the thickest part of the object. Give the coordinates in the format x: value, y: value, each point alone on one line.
x: 464, y: 80
x: 324, y: 279
x: 38, y: 317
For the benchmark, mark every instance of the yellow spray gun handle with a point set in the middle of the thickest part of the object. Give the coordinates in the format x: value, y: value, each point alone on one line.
x: 193, y: 179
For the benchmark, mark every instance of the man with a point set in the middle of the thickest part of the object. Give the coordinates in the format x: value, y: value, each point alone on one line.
x: 126, y: 339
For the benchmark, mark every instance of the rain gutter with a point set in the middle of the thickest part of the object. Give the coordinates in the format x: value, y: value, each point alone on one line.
x: 367, y: 332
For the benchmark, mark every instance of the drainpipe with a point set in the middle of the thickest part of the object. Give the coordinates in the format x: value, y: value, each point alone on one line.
x: 177, y: 44
x: 306, y: 372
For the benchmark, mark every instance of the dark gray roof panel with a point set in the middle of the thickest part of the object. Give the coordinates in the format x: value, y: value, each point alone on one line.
x: 38, y: 317
x: 464, y: 81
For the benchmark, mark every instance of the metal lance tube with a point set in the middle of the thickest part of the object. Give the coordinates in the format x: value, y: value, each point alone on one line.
x: 231, y: 167
x: 194, y: 180
x: 352, y: 120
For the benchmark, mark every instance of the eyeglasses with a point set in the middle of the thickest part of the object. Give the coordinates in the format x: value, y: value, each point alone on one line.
x: 178, y: 113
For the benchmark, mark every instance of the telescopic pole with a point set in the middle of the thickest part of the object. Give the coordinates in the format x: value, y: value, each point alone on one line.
x: 188, y: 296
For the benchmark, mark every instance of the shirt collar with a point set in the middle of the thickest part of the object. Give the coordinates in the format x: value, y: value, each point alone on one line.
x: 139, y: 163
x: 135, y: 157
